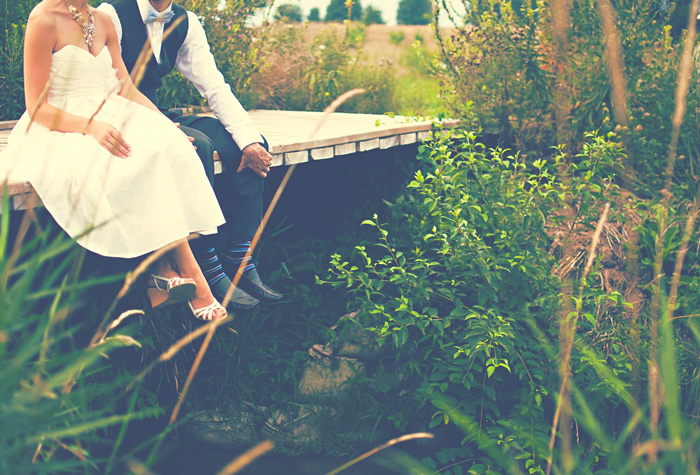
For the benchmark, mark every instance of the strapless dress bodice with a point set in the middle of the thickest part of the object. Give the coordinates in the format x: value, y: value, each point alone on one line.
x: 76, y: 72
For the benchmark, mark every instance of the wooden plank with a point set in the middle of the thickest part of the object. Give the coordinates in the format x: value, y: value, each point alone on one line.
x: 295, y: 158
x: 389, y: 142
x: 408, y: 139
x: 297, y: 137
x: 7, y: 124
x: 346, y: 148
x: 322, y: 153
x: 336, y: 129
x: 367, y: 145
x: 277, y: 160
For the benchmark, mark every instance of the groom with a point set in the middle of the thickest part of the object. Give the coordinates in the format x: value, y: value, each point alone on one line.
x: 241, y: 148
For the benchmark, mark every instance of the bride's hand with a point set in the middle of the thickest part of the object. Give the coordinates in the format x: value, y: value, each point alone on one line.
x: 109, y: 138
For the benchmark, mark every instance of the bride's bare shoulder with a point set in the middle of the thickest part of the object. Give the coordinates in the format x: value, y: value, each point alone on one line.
x: 102, y: 18
x: 43, y: 16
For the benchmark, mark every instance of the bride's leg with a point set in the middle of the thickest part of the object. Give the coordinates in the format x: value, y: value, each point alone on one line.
x: 188, y: 268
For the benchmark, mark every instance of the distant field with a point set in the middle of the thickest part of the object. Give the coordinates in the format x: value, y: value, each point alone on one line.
x: 378, y: 44
x: 418, y: 90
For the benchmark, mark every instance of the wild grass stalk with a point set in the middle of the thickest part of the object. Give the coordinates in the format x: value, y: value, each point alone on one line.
x: 683, y: 82
x: 256, y: 238
x: 561, y: 18
x: 566, y: 346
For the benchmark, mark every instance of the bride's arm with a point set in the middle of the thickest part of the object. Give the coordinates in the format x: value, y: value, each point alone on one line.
x: 40, y: 39
x: 129, y: 90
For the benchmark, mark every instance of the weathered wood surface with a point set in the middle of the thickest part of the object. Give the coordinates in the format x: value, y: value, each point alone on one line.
x: 300, y: 137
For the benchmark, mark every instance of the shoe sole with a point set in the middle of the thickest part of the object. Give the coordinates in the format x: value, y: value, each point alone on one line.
x: 178, y: 294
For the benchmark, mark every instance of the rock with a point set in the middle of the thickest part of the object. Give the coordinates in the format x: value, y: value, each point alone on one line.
x: 229, y: 426
x: 353, y: 341
x: 328, y: 376
x: 296, y: 428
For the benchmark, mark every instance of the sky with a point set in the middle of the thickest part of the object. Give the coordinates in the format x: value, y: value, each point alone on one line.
x: 388, y: 7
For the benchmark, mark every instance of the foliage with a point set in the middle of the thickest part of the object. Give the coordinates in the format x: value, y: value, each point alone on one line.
x: 308, y: 76
x: 371, y: 15
x: 397, y: 37
x: 235, y: 46
x: 459, y: 282
x: 289, y: 12
x: 14, y: 19
x: 314, y: 14
x: 340, y: 10
x: 62, y: 402
x: 414, y: 12
x: 500, y: 71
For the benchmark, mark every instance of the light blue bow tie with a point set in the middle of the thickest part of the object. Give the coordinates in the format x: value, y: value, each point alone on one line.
x: 154, y: 15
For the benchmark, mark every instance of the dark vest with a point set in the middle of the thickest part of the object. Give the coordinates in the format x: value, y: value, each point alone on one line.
x: 135, y: 36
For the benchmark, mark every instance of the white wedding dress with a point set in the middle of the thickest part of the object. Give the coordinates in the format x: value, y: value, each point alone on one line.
x: 112, y: 206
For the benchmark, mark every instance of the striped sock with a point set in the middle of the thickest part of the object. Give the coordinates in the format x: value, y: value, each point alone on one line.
x: 211, y: 266
x: 237, y: 255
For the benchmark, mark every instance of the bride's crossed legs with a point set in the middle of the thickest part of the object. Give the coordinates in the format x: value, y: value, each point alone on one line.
x: 179, y: 262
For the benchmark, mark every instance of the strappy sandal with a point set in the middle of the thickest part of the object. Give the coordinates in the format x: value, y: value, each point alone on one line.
x: 179, y: 289
x: 207, y: 313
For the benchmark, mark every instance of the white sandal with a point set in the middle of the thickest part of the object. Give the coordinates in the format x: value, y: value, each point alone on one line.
x: 207, y: 313
x: 179, y: 289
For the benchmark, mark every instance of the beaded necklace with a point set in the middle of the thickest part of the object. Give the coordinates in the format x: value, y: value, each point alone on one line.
x: 87, y: 26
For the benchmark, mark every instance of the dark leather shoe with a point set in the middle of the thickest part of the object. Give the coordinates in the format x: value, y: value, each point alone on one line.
x: 240, y: 300
x: 251, y: 283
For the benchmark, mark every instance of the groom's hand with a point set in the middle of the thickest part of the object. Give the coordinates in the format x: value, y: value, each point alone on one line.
x: 257, y: 159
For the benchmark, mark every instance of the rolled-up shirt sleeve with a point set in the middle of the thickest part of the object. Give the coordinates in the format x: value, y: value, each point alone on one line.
x: 196, y: 62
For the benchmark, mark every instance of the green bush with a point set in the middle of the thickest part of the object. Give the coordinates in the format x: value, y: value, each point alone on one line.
x: 15, y: 16
x: 309, y: 76
x: 397, y: 37
x: 500, y: 74
x: 460, y: 283
x: 340, y: 10
x: 236, y: 49
x: 289, y: 12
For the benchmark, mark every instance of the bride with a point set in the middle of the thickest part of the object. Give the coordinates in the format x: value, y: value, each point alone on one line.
x: 113, y: 172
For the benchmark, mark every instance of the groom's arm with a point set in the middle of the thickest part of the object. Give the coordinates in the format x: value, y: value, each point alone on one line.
x: 197, y: 64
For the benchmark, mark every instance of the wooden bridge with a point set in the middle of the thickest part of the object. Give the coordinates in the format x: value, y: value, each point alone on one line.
x: 300, y: 137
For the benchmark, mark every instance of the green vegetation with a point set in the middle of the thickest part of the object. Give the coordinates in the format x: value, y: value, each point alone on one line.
x: 536, y: 289
x: 314, y: 14
x: 414, y: 12
x: 11, y: 52
x: 371, y: 16
x: 289, y: 12
x: 339, y: 10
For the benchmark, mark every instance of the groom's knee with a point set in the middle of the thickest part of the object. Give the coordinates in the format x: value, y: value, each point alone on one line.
x: 205, y: 150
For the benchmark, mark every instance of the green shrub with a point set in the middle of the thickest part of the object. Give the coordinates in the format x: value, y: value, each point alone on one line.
x: 459, y: 282
x: 397, y: 37
x: 236, y: 49
x: 303, y: 76
x: 289, y: 12
x: 500, y: 74
x: 14, y: 16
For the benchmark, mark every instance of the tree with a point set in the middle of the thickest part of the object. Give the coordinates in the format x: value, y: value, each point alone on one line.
x: 338, y: 10
x: 372, y: 15
x: 289, y: 12
x: 414, y: 12
x: 315, y: 14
